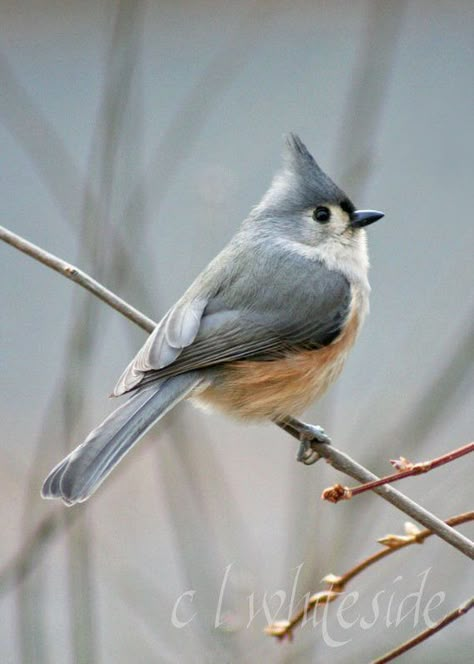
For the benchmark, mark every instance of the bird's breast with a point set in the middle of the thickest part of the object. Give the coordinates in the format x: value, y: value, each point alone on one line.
x: 272, y: 389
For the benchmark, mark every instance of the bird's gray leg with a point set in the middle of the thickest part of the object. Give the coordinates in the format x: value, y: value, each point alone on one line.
x: 309, y: 436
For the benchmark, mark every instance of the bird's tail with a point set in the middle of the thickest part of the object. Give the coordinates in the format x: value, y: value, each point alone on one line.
x: 78, y: 475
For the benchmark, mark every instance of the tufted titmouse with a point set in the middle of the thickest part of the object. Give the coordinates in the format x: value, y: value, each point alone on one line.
x: 261, y: 333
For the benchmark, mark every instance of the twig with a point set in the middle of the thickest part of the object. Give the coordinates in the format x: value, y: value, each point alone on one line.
x: 282, y: 629
x: 338, y: 492
x: 393, y: 543
x: 422, y: 636
x: 79, y: 277
x: 297, y: 429
x: 345, y: 464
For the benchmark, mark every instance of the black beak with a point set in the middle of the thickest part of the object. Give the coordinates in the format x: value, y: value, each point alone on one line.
x: 361, y: 218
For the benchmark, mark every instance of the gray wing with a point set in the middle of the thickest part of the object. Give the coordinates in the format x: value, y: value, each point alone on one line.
x: 176, y: 330
x: 298, y: 306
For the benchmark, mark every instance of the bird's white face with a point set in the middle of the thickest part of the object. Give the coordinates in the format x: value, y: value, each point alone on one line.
x: 325, y: 233
x: 328, y: 222
x: 336, y: 233
x: 324, y: 227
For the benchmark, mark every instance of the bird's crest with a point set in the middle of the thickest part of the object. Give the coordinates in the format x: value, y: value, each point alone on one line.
x: 300, y: 184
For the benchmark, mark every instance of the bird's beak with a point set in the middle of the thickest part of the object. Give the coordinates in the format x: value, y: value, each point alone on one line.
x: 361, y: 218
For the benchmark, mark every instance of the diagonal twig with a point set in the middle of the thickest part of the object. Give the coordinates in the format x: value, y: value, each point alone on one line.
x: 338, y: 492
x: 285, y: 628
x: 422, y: 636
x: 79, y: 277
x: 345, y: 464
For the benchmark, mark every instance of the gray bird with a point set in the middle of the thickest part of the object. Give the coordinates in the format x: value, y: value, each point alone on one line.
x: 262, y: 332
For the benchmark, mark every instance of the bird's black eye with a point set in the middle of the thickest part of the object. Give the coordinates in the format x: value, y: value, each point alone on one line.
x: 322, y: 214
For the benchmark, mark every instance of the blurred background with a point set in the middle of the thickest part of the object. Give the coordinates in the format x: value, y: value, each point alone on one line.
x: 135, y: 136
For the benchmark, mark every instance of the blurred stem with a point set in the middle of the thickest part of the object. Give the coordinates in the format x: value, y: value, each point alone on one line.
x: 437, y: 398
x: 27, y: 558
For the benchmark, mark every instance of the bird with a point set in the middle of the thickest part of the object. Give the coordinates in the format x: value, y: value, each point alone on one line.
x: 260, y: 334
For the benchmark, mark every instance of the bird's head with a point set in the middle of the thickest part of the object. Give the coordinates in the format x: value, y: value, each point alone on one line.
x: 307, y: 206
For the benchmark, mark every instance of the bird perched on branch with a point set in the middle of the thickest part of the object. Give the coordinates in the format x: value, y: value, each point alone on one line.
x: 262, y: 332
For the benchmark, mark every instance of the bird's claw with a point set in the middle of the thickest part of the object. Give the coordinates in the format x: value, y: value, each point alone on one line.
x: 310, y: 438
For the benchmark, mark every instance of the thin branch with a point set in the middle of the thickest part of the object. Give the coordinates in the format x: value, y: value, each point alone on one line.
x: 283, y: 629
x: 395, y: 542
x: 338, y: 492
x: 345, y: 464
x: 79, y: 277
x: 294, y: 427
x: 422, y: 636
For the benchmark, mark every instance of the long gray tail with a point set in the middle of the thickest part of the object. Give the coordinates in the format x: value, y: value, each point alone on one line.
x: 78, y: 475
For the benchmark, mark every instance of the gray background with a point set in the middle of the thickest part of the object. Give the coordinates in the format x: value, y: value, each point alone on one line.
x: 134, y: 138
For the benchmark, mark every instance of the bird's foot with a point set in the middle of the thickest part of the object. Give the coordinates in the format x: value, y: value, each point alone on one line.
x: 310, y: 437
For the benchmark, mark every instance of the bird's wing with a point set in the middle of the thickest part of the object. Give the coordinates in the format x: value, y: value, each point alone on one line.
x: 203, y: 333
x: 176, y: 330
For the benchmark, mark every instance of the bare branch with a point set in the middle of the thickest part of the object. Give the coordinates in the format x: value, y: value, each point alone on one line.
x: 345, y: 464
x: 401, y: 541
x: 79, y: 277
x: 294, y: 427
x: 337, y: 583
x: 338, y: 492
x: 419, y: 638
